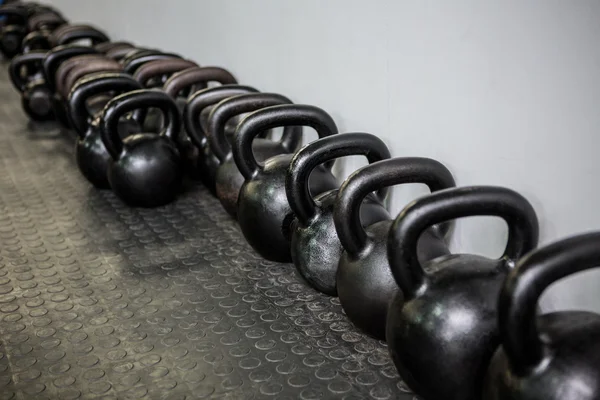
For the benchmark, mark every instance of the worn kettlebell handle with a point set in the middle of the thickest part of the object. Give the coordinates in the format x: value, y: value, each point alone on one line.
x: 92, y: 86
x: 68, y: 65
x: 525, y: 285
x: 105, y: 65
x: 43, y: 20
x: 35, y: 38
x: 196, y: 76
x: 53, y: 58
x: 273, y: 117
x: 137, y: 61
x: 14, y: 68
x: 86, y: 32
x: 395, y: 171
x: 446, y: 205
x: 320, y: 151
x: 156, y: 68
x: 236, y: 105
x: 205, y: 98
x: 131, y: 101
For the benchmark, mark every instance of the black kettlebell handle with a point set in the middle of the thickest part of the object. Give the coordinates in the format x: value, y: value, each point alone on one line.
x: 131, y: 101
x: 36, y: 38
x: 14, y: 68
x: 57, y: 55
x: 316, y: 153
x: 43, y: 20
x: 245, y: 103
x: 105, y: 47
x: 273, y: 117
x: 92, y: 86
x: 524, y: 286
x: 395, y: 171
x: 156, y: 68
x: 131, y: 64
x: 90, y: 33
x: 195, y: 76
x: 446, y: 205
x: 201, y: 99
x: 12, y: 11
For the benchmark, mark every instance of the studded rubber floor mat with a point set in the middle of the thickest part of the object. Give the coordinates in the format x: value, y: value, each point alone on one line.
x: 99, y: 300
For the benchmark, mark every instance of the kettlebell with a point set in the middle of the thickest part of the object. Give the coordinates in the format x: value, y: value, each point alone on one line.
x: 35, y: 95
x: 263, y: 211
x: 160, y: 68
x: 555, y: 356
x: 35, y: 41
x: 25, y: 68
x: 198, y: 78
x: 75, y: 33
x: 105, y: 47
x: 136, y: 59
x: 45, y: 22
x: 14, y: 30
x: 442, y: 326
x: 195, y: 115
x: 119, y: 52
x: 228, y: 179
x: 145, y: 170
x: 58, y: 55
x: 90, y: 153
x: 364, y: 281
x: 315, y: 246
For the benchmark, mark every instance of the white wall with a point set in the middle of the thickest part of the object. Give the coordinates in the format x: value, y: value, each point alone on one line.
x: 503, y: 93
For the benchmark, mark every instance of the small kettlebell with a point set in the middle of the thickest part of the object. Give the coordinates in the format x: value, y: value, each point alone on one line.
x: 182, y: 81
x: 316, y: 248
x: 195, y: 116
x: 364, y: 281
x: 555, y: 356
x: 263, y: 212
x: 442, y: 326
x: 12, y: 34
x: 90, y: 153
x: 145, y: 170
x: 229, y: 180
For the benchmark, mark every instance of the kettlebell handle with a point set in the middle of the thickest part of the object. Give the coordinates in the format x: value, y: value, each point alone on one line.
x: 86, y: 32
x: 524, y: 286
x: 316, y: 153
x: 9, y: 10
x: 201, y: 99
x: 53, y: 58
x: 274, y: 117
x: 131, y: 101
x: 92, y: 86
x: 446, y: 205
x: 395, y: 171
x: 196, y: 76
x: 236, y: 105
x: 14, y: 68
x: 35, y: 38
x: 94, y: 66
x: 136, y: 63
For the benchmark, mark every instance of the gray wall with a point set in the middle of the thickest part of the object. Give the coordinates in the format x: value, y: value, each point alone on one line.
x: 503, y: 93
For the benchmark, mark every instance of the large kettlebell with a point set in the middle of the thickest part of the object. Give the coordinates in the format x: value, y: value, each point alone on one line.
x: 316, y: 248
x: 364, y: 281
x: 198, y: 78
x: 555, y: 356
x: 146, y: 168
x: 90, y: 153
x: 263, y: 211
x: 14, y: 30
x: 228, y: 179
x: 195, y: 118
x: 442, y: 326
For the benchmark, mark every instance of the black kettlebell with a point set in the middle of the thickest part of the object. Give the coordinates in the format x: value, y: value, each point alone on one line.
x: 146, y: 169
x: 364, y: 281
x: 120, y: 52
x: 195, y: 118
x: 14, y: 30
x: 263, y: 211
x: 315, y: 247
x: 443, y: 326
x: 555, y: 356
x: 228, y: 179
x: 180, y: 83
x: 90, y: 153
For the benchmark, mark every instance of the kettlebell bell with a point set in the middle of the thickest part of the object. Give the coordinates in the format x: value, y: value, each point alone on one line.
x: 555, y: 356
x: 263, y: 211
x: 197, y: 107
x: 198, y: 78
x: 442, y: 326
x: 145, y: 170
x: 364, y: 281
x: 315, y: 247
x: 229, y: 180
x: 90, y: 153
x: 12, y: 34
